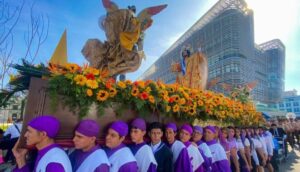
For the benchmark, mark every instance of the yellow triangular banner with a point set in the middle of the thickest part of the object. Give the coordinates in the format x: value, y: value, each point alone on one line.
x: 59, y: 56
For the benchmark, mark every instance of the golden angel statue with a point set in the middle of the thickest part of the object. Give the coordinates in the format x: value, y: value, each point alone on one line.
x: 192, y: 71
x: 122, y: 52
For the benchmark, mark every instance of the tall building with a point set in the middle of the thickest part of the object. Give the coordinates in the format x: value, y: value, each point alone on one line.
x: 290, y: 103
x: 225, y: 35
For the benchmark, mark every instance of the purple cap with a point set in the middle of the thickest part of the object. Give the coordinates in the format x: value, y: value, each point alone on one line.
x: 139, y: 123
x: 172, y: 126
x: 198, y: 128
x: 211, y: 128
x: 48, y: 124
x: 88, y: 128
x: 120, y: 127
x: 187, y: 128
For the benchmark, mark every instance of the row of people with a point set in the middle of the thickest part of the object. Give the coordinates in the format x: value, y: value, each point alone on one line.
x: 174, y: 155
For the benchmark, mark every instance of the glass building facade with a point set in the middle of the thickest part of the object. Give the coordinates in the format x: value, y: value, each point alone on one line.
x: 225, y: 35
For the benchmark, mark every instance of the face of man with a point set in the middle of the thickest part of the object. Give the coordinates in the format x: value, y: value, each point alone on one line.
x: 184, y: 136
x: 113, y: 139
x: 208, y: 135
x: 224, y: 133
x: 261, y: 131
x: 34, y: 136
x: 197, y: 136
x: 83, y: 142
x: 155, y: 135
x: 170, y: 135
x: 137, y: 135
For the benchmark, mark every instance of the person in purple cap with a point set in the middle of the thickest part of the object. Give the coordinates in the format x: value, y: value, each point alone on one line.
x: 143, y: 153
x: 88, y: 156
x: 196, y: 158
x: 204, y: 149
x: 40, y: 133
x: 181, y: 159
x: 162, y: 153
x: 119, y: 156
x: 220, y: 162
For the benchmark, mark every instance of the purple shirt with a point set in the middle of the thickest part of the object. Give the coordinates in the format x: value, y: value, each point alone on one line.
x: 51, y: 167
x: 182, y: 162
x: 131, y: 166
x: 78, y: 156
x: 218, y: 165
x: 134, y: 148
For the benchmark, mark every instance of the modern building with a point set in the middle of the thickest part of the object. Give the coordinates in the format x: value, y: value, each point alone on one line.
x: 225, y: 35
x: 13, y: 111
x: 290, y: 103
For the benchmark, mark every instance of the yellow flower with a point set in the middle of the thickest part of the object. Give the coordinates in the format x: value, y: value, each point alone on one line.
x: 80, y: 80
x: 121, y: 84
x: 166, y: 98
x: 175, y: 108
x: 72, y: 67
x: 186, y: 96
x: 89, y: 92
x: 94, y: 71
x: 92, y: 84
x: 200, y: 103
x: 148, y: 90
x: 192, y: 111
x: 182, y: 101
x: 168, y: 108
x: 151, y: 99
x: 134, y: 91
x: 102, y: 95
x: 185, y: 109
x: 176, y: 98
x: 112, y: 92
x: 128, y: 82
x: 141, y: 84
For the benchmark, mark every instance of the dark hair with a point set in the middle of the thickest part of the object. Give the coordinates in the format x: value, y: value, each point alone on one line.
x: 156, y: 125
x: 273, y: 125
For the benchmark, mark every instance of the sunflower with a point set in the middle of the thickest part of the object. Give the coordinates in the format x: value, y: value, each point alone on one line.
x: 128, y: 82
x: 102, y: 95
x: 151, y: 99
x: 176, y: 98
x: 121, y: 84
x: 80, y: 80
x: 89, y: 92
x: 200, y: 103
x: 185, y: 109
x: 92, y: 84
x: 134, y: 91
x: 166, y: 98
x: 148, y: 90
x: 182, y: 101
x: 176, y: 108
x: 192, y: 111
x: 112, y: 92
x: 72, y: 68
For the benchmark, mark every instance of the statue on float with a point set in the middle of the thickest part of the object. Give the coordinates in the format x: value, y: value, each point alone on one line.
x: 192, y: 70
x: 122, y: 52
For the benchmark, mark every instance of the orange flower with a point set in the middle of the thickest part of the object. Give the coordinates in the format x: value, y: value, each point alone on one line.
x: 92, y: 84
x: 89, y: 92
x: 182, y: 101
x: 151, y: 99
x: 176, y: 98
x: 200, y: 103
x: 102, y: 95
x: 185, y: 109
x: 90, y: 76
x: 112, y: 92
x: 134, y: 91
x: 144, y: 96
x: 192, y: 111
x: 148, y: 90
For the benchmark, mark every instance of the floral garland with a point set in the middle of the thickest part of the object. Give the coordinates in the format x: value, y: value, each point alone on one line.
x: 83, y: 86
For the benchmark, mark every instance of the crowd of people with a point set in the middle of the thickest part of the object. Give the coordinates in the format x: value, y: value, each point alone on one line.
x: 154, y: 147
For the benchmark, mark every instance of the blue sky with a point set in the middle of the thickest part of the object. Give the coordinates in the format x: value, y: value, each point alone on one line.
x: 272, y: 19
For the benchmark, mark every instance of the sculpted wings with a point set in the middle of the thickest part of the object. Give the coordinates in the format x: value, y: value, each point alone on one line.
x: 145, y: 15
x: 109, y: 5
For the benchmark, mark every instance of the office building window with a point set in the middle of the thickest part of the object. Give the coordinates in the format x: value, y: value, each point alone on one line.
x: 297, y: 110
x: 281, y: 105
x: 296, y: 103
x: 288, y: 104
x: 289, y: 110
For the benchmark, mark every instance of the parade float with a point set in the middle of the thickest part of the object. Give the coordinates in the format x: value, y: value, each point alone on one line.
x: 72, y: 92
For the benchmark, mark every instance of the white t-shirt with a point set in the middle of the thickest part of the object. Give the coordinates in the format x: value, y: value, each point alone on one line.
x: 13, y: 130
